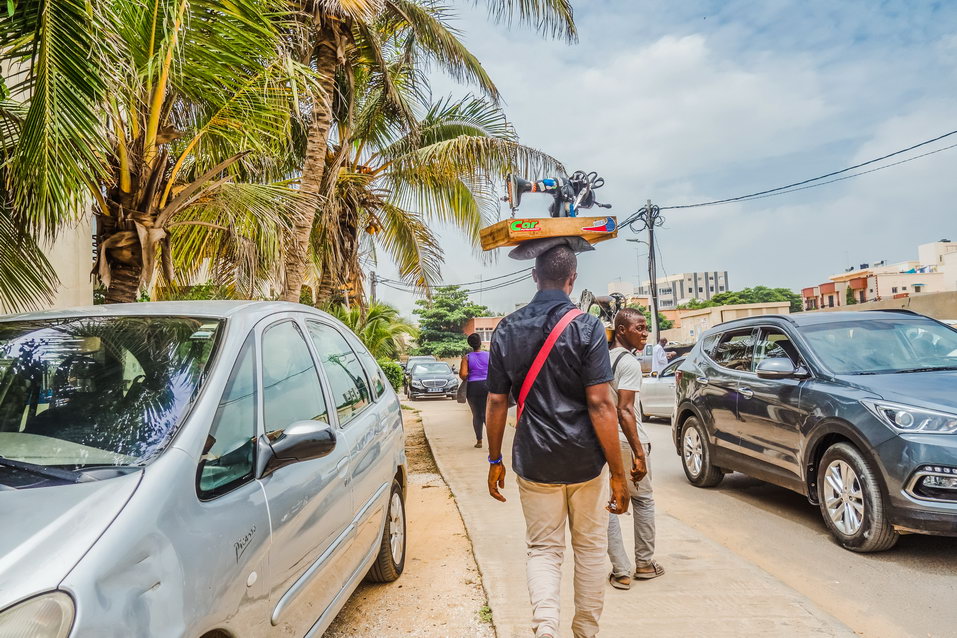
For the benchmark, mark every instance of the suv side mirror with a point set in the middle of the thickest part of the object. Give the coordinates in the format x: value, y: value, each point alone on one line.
x: 780, y: 368
x: 301, y: 441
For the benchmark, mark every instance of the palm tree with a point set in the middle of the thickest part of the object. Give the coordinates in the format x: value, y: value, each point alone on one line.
x: 170, y: 116
x: 343, y: 33
x: 379, y: 327
x: 395, y: 184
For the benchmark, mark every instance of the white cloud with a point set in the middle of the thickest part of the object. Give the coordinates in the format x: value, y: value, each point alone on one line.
x: 703, y: 101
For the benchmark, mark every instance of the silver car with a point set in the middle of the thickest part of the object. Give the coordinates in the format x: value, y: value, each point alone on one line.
x: 198, y: 469
x: 657, y: 396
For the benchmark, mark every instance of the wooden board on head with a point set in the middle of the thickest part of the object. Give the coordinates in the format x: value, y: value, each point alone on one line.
x: 512, y: 232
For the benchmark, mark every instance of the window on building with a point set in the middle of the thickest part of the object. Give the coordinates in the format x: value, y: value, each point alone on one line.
x: 863, y: 297
x: 894, y: 289
x: 721, y: 288
x: 700, y: 289
x: 830, y: 301
x: 711, y: 288
x: 918, y: 288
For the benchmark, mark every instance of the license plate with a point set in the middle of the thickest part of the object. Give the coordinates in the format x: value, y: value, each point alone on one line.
x: 435, y: 389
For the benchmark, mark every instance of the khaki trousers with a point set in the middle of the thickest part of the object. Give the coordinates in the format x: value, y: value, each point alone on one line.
x: 547, y: 507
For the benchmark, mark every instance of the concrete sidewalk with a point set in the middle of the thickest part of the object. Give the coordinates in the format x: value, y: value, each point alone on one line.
x: 707, y: 590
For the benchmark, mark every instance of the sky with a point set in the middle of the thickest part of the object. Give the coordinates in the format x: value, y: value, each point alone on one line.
x: 690, y: 101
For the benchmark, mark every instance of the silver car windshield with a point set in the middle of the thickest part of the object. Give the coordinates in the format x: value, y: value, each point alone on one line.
x: 883, y: 346
x: 97, y: 391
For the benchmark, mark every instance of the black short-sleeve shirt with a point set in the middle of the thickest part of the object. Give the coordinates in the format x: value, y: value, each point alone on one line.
x: 555, y: 441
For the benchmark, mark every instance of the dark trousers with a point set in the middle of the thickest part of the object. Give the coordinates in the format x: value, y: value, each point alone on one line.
x: 477, y: 395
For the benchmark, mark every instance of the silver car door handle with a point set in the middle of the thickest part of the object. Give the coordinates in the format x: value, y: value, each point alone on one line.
x: 747, y: 393
x: 342, y: 468
x: 702, y: 380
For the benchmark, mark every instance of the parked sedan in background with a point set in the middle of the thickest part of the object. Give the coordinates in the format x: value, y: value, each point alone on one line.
x: 657, y: 396
x: 433, y: 379
x: 856, y: 410
x: 200, y: 469
x: 409, y: 364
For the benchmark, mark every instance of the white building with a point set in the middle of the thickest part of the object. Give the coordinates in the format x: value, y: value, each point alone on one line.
x: 674, y: 290
x: 934, y: 271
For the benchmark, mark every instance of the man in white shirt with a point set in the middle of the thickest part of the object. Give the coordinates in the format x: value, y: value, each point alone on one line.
x: 631, y: 333
x: 660, y: 358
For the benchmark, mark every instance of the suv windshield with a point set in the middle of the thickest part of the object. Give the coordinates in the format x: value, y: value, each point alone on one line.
x: 883, y: 346
x: 432, y: 368
x: 94, y: 391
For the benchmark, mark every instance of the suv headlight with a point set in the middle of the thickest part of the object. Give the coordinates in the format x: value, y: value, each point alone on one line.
x: 417, y: 384
x: 48, y: 615
x: 907, y: 418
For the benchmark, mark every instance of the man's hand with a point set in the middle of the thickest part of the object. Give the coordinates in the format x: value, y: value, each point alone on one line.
x: 619, y: 495
x: 639, y: 467
x: 496, y: 480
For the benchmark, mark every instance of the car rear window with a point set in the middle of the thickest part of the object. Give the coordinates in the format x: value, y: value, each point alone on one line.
x: 735, y: 350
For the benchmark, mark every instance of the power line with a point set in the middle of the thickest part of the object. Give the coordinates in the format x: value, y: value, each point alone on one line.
x: 840, y: 179
x: 791, y: 187
x: 466, y: 283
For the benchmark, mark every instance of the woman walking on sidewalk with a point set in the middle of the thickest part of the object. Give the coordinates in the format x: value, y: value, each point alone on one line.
x: 474, y: 371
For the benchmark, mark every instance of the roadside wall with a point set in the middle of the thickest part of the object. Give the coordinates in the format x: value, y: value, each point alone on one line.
x: 939, y: 305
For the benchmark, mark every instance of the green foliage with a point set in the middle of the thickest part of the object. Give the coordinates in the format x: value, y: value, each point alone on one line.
x: 849, y: 298
x: 758, y: 294
x: 441, y: 320
x: 664, y: 323
x: 393, y: 371
x: 380, y: 327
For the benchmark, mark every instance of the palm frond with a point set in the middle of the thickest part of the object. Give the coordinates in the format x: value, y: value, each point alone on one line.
x: 554, y: 18
x: 49, y: 47
x: 427, y: 24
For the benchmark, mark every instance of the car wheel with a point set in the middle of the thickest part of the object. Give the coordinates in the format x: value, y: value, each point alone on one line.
x: 390, y: 562
x: 696, y: 455
x: 851, y: 501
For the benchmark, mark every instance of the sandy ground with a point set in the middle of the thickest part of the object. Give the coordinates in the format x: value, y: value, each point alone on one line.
x: 440, y: 593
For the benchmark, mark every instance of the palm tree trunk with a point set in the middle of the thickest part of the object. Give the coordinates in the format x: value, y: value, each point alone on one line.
x: 124, y: 283
x: 314, y: 164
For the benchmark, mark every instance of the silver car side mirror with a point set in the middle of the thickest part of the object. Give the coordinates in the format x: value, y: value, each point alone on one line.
x: 300, y: 441
x: 780, y: 368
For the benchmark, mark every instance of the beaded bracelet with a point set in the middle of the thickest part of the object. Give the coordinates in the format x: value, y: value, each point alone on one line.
x: 497, y: 461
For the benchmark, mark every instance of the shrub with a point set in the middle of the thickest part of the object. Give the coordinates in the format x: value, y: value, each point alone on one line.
x: 393, y: 371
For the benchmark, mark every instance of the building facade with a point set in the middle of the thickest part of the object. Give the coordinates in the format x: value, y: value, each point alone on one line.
x: 677, y: 289
x: 693, y: 322
x: 934, y: 271
x: 484, y: 326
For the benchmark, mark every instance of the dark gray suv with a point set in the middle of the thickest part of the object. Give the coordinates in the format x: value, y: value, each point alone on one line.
x: 855, y: 410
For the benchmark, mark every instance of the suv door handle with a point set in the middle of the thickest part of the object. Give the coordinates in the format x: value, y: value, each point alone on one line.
x: 702, y: 380
x: 747, y: 393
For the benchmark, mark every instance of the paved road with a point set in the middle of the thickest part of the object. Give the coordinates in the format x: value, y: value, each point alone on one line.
x: 708, y: 590
x: 908, y: 591
x: 764, y: 536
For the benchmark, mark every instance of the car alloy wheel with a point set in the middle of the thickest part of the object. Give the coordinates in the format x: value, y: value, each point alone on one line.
x: 844, y: 497
x: 692, y: 451
x: 396, y: 528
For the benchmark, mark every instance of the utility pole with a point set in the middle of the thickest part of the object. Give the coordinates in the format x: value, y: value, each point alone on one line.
x: 650, y: 215
x: 652, y: 270
x: 372, y: 283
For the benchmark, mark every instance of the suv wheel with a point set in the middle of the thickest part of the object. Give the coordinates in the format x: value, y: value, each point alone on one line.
x: 851, y: 501
x: 390, y: 562
x: 696, y: 455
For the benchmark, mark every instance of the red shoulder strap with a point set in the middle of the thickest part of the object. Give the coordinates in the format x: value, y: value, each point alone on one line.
x: 540, y: 358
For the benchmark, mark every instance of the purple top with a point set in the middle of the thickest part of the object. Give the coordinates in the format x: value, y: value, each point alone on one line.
x: 478, y: 365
